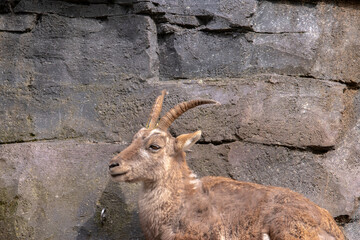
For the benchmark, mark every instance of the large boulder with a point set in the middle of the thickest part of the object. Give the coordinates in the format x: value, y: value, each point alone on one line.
x: 51, y: 73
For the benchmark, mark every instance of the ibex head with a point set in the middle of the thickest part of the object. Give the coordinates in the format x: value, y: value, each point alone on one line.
x: 153, y: 150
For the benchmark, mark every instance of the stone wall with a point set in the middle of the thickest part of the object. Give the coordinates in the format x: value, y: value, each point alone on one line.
x: 78, y: 78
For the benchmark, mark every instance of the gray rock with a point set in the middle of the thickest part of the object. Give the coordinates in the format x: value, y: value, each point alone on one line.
x: 49, y: 78
x: 209, y: 160
x: 81, y: 51
x: 58, y: 189
x: 7, y: 6
x: 66, y: 8
x: 283, y: 53
x: 237, y: 12
x: 269, y: 109
x: 186, y: 21
x: 88, y: 50
x: 234, y: 14
x: 352, y: 230
x: 14, y: 23
x: 276, y: 17
x: 95, y: 113
x: 344, y: 164
x: 338, y: 51
x: 189, y: 54
x: 198, y: 55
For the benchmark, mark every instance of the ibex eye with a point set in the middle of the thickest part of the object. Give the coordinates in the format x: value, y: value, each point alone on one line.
x: 154, y: 147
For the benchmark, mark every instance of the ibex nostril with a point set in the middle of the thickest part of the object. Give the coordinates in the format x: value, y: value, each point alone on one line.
x: 113, y: 165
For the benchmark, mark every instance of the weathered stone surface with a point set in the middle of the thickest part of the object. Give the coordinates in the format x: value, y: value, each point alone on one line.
x: 199, y: 54
x: 209, y: 160
x: 267, y: 109
x: 344, y: 164
x: 21, y: 23
x: 94, y: 57
x: 66, y: 8
x: 234, y: 13
x: 7, y: 6
x: 339, y: 50
x: 285, y: 37
x: 285, y: 53
x: 271, y: 109
x: 56, y: 190
x: 190, y: 54
x: 80, y: 51
x: 185, y: 21
x: 276, y: 17
x: 94, y: 112
x: 90, y: 70
x: 304, y: 108
x: 44, y: 77
x: 352, y: 230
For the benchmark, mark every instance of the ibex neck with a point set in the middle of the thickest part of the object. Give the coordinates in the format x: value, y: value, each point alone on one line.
x: 175, y: 179
x: 166, y: 197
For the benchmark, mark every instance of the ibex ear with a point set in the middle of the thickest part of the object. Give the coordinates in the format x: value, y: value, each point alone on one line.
x: 186, y: 141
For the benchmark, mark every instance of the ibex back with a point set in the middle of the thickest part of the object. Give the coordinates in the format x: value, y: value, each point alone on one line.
x: 175, y: 205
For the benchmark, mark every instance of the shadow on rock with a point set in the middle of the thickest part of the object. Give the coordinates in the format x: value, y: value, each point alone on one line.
x: 12, y: 225
x: 119, y: 220
x: 8, y: 207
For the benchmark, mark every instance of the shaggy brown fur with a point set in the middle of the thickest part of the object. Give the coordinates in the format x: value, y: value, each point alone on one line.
x: 175, y: 205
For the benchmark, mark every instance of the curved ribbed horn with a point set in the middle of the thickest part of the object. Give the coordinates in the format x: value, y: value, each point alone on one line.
x: 156, y: 109
x: 179, y: 109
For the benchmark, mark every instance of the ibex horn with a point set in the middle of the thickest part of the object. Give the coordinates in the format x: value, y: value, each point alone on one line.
x: 156, y: 109
x: 179, y: 109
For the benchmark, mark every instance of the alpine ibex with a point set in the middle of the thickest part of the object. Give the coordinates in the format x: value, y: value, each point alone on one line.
x: 175, y: 204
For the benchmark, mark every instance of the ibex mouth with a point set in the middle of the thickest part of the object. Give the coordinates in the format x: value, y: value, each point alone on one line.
x: 114, y: 175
